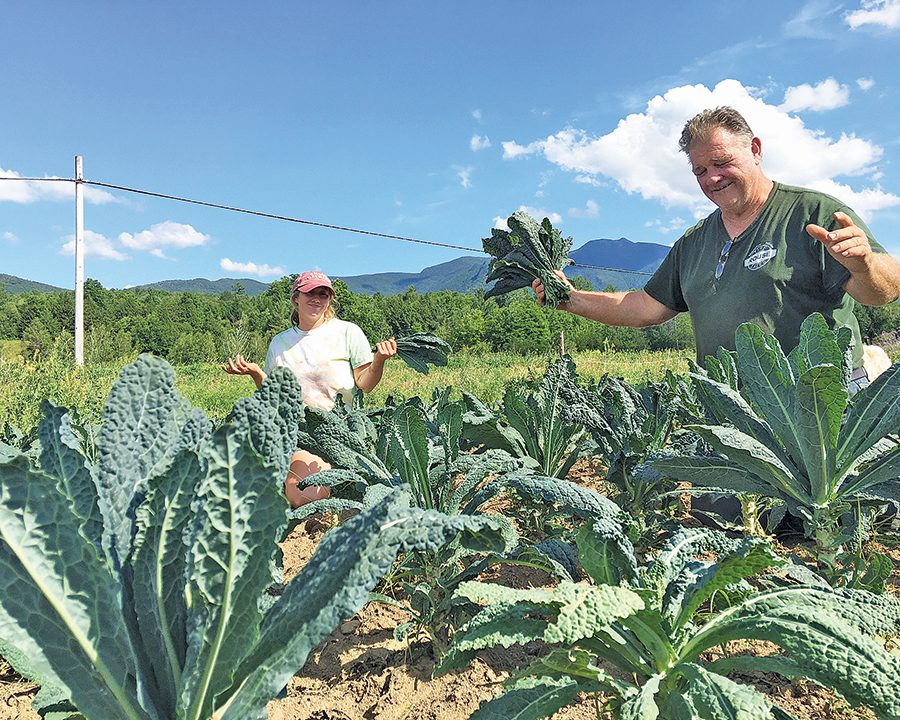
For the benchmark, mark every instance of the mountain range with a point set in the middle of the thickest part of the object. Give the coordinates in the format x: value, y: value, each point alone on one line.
x: 633, y: 263
x: 13, y: 284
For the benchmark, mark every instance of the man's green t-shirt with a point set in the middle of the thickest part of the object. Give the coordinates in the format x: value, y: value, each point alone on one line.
x: 775, y: 275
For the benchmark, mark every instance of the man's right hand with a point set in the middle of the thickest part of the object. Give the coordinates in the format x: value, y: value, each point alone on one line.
x: 538, y: 287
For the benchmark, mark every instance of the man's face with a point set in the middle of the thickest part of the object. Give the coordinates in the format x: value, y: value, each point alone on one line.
x: 727, y: 169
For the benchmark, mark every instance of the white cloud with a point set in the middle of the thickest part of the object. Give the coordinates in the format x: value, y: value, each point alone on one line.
x: 864, y: 201
x: 465, y: 176
x: 865, y: 84
x: 792, y: 152
x: 10, y: 237
x: 588, y: 180
x: 827, y: 95
x: 590, y: 210
x: 94, y: 244
x: 166, y: 234
x: 537, y: 213
x: 883, y: 13
x: 251, y: 268
x: 674, y: 225
x: 812, y: 21
x: 512, y: 149
x: 479, y: 142
x: 476, y: 114
x: 50, y: 188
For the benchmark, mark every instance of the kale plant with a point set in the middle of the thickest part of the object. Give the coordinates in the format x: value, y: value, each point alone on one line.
x: 795, y: 438
x: 628, y: 426
x: 536, y: 423
x: 661, y: 626
x: 525, y: 252
x: 415, y: 449
x: 420, y: 446
x: 135, y: 585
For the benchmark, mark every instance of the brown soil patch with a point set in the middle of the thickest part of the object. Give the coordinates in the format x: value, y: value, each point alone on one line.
x: 15, y: 695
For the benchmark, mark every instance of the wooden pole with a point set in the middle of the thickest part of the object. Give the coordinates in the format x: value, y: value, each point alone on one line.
x: 79, y: 262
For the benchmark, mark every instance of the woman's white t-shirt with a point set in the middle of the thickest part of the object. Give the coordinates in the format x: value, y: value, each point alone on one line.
x: 321, y: 359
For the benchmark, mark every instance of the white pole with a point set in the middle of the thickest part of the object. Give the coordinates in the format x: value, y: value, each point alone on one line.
x: 79, y: 262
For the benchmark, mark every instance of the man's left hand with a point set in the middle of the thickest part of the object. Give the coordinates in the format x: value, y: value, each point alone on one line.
x: 849, y: 244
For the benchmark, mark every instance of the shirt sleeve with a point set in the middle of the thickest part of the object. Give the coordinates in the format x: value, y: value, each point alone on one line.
x: 665, y: 285
x: 358, y: 349
x: 270, y: 359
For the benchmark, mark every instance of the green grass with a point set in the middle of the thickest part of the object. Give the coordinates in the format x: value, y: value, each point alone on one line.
x: 12, y: 350
x: 487, y: 375
x: 24, y: 385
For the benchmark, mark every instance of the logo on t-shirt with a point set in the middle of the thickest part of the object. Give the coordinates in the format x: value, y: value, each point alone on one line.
x: 759, y: 256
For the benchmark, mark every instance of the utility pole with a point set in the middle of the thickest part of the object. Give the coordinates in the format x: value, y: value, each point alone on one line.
x: 79, y: 261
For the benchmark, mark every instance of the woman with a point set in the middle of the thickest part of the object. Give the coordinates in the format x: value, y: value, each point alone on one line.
x: 328, y: 356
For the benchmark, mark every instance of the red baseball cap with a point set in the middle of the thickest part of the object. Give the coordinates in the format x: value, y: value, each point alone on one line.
x: 309, y: 281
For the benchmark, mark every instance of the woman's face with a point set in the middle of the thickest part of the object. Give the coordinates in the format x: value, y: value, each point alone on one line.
x: 312, y: 305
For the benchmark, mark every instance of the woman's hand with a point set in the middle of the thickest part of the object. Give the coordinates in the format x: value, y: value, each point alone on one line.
x: 240, y: 366
x: 369, y: 375
x: 384, y: 350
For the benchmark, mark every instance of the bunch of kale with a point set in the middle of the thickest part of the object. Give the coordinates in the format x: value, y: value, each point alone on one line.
x: 525, y: 252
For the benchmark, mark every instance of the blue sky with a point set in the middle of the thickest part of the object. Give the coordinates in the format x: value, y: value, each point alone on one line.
x: 430, y: 120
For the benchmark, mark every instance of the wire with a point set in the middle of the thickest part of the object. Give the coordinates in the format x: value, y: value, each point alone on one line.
x: 273, y: 216
x: 618, y: 270
x: 44, y: 179
x: 287, y: 218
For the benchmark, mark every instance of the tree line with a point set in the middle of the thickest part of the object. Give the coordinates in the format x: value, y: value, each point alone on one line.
x: 187, y: 327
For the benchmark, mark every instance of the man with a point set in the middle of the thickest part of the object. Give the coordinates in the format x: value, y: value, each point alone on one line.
x: 770, y: 254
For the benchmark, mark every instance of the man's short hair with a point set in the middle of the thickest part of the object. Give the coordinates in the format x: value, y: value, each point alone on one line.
x: 702, y: 124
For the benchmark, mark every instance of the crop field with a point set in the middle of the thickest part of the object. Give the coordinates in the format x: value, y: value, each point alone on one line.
x: 505, y: 537
x: 23, y: 385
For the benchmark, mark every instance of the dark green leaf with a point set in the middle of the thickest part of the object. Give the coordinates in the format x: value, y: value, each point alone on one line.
x: 420, y: 350
x: 61, y: 458
x: 529, y: 699
x: 819, y: 409
x: 59, y: 603
x: 142, y: 425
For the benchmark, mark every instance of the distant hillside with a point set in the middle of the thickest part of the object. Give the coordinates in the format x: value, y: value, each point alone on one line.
x: 621, y: 253
x: 463, y: 274
x: 467, y: 273
x: 641, y: 258
x: 13, y: 284
x: 211, y: 287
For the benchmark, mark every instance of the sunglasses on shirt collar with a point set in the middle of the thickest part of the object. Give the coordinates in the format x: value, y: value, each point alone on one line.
x: 720, y: 266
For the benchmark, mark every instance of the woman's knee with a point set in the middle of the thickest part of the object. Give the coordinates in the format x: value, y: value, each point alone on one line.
x: 304, y: 464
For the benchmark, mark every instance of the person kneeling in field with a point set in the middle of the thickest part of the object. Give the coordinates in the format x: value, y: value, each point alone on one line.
x: 328, y: 356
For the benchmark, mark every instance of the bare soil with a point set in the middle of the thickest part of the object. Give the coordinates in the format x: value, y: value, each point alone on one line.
x: 360, y: 672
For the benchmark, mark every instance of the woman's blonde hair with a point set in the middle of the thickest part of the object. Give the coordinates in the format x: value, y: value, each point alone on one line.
x: 330, y: 311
